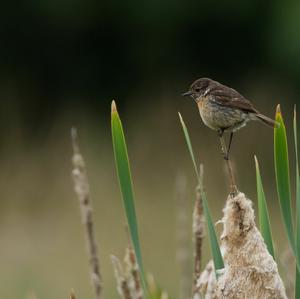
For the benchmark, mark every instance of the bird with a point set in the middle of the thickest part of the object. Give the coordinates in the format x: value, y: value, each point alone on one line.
x: 223, y: 109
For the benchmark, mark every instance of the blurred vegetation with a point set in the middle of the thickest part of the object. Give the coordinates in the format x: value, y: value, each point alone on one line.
x: 63, y: 62
x: 58, y: 54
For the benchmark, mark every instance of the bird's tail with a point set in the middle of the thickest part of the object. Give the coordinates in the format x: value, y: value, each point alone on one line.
x: 268, y: 121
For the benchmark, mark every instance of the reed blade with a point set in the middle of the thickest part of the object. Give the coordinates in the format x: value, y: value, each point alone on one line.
x: 189, y: 145
x: 263, y: 214
x: 283, y: 180
x: 297, y: 278
x: 214, y: 245
x: 126, y: 186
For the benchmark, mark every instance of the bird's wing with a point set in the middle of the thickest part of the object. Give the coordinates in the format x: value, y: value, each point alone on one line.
x: 229, y: 97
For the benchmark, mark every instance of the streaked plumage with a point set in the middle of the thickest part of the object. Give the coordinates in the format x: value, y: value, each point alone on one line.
x: 223, y: 108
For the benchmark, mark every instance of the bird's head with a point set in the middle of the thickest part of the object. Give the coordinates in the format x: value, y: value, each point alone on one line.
x: 199, y: 88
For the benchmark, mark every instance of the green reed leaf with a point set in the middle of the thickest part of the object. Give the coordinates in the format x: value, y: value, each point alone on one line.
x: 297, y: 283
x: 264, y: 220
x: 283, y: 178
x: 214, y: 245
x: 126, y: 186
x: 189, y: 145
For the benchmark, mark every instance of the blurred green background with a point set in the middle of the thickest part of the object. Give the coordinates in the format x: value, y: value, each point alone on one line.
x: 61, y: 64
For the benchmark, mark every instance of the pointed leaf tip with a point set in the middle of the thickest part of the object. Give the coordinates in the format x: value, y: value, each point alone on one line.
x: 180, y: 117
x: 113, y: 107
x: 278, y: 110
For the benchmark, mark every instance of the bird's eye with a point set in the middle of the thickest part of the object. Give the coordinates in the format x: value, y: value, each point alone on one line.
x: 197, y: 89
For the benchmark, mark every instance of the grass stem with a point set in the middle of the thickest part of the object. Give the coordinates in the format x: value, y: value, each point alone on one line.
x: 82, y: 189
x: 198, y: 232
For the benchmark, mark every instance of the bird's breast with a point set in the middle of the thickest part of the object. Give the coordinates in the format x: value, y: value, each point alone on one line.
x: 216, y: 116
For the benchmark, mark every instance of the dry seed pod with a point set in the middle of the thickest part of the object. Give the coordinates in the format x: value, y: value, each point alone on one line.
x: 250, y: 271
x: 132, y: 273
x: 206, y: 284
x: 122, y: 282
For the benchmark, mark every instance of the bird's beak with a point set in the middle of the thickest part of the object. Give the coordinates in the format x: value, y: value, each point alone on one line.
x: 186, y: 94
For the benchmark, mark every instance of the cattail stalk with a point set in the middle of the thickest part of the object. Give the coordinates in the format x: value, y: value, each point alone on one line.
x: 82, y: 189
x: 206, y: 283
x: 198, y: 231
x: 122, y: 281
x: 250, y: 270
x: 133, y: 273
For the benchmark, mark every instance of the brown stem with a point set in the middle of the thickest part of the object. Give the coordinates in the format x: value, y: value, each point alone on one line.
x: 198, y: 230
x: 82, y: 189
x: 122, y: 281
x: 233, y: 187
x: 133, y: 270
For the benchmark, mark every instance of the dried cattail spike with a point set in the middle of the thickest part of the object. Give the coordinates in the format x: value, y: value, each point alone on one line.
x: 198, y: 231
x: 206, y: 283
x: 82, y: 189
x: 132, y: 270
x: 122, y: 283
x: 246, y: 256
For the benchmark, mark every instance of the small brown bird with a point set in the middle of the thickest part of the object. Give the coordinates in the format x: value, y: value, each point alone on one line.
x: 223, y: 108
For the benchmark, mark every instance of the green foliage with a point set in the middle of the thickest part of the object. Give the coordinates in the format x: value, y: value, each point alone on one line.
x: 283, y: 188
x: 297, y: 284
x: 283, y: 177
x: 284, y: 192
x: 189, y: 145
x: 214, y: 246
x: 264, y: 221
x: 124, y: 175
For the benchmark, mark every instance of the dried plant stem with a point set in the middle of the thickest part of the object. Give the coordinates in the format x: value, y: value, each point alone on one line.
x: 233, y: 187
x: 182, y: 234
x: 198, y: 231
x: 250, y: 271
x: 81, y: 186
x: 122, y: 282
x: 125, y: 290
x: 206, y: 283
x: 133, y: 271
